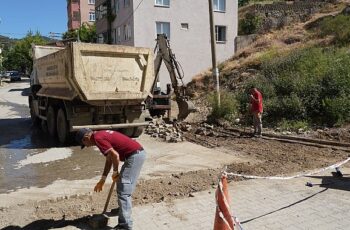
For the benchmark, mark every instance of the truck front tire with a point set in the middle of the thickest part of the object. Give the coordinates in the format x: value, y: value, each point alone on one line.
x: 62, y: 127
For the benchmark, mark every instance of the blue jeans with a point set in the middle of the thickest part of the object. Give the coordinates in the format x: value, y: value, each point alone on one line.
x: 129, y: 174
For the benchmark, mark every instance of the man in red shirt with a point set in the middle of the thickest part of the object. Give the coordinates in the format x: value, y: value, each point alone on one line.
x: 257, y: 110
x: 117, y: 147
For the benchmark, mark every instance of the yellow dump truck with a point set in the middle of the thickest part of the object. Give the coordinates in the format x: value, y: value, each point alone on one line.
x: 98, y: 86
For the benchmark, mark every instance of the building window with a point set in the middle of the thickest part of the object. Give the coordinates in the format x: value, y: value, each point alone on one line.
x: 126, y: 3
x: 100, y: 39
x: 76, y: 15
x: 163, y: 28
x: 127, y: 32
x: 91, y: 2
x: 92, y: 16
x: 101, y: 11
x: 165, y: 3
x: 119, y: 35
x: 220, y: 33
x: 184, y: 26
x: 114, y: 36
x: 219, y: 5
x: 117, y: 5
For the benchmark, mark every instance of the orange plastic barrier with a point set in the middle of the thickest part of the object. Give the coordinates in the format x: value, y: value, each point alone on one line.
x: 223, y: 216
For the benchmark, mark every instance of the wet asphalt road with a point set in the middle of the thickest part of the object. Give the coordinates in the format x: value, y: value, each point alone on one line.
x: 27, y: 154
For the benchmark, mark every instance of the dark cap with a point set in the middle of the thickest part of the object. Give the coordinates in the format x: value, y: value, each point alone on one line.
x: 80, y: 134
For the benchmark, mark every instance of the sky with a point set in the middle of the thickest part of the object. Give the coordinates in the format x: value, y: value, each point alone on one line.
x: 20, y: 16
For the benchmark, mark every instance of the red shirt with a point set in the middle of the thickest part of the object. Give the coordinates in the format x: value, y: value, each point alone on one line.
x: 257, y: 106
x: 107, y: 139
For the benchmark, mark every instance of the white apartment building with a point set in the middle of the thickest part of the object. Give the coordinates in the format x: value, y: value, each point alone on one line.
x: 186, y: 23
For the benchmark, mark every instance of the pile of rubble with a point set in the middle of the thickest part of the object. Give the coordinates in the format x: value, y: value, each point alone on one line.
x: 172, y: 133
x: 206, y: 130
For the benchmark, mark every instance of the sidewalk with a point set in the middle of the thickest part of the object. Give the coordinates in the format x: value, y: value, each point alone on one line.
x: 259, y: 204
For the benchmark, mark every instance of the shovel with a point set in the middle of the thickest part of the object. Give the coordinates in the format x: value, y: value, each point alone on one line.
x: 109, y: 196
x: 99, y: 221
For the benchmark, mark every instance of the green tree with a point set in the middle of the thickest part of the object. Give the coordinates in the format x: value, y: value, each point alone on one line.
x: 87, y: 33
x: 250, y: 24
x: 18, y: 57
x: 242, y: 2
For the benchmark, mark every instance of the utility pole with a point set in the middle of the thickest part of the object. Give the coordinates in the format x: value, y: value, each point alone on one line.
x: 1, y: 74
x: 215, y: 70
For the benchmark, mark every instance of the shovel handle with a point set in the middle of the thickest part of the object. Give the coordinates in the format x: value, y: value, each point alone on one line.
x: 109, y: 196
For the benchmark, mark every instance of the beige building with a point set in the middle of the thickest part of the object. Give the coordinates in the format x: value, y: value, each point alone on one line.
x: 186, y: 23
x: 80, y: 12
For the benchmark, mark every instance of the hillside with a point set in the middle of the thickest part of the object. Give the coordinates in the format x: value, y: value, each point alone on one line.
x: 6, y: 40
x: 273, y: 58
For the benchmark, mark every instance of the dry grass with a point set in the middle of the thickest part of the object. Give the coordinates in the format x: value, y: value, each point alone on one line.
x: 279, y: 40
x: 285, y: 40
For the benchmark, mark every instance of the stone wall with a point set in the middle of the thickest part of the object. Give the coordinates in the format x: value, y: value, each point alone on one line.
x: 244, y: 41
x: 278, y: 15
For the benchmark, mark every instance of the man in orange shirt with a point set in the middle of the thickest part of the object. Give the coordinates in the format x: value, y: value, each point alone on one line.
x: 257, y: 110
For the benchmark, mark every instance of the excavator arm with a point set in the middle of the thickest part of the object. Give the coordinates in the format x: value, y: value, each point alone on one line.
x: 164, y: 54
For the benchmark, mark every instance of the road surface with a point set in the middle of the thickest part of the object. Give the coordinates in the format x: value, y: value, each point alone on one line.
x: 34, y: 167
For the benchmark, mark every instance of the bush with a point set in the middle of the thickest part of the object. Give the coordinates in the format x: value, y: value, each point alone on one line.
x: 250, y: 24
x: 227, y: 110
x: 338, y: 27
x: 336, y: 110
x: 242, y: 2
x: 311, y: 84
x: 293, y: 126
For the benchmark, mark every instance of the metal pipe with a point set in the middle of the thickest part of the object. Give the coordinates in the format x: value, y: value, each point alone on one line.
x: 109, y: 126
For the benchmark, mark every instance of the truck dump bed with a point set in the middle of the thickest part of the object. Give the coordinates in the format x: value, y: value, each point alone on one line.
x: 97, y: 74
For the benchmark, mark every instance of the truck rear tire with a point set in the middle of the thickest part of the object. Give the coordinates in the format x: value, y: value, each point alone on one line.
x: 137, y: 131
x: 132, y: 132
x: 35, y: 119
x: 62, y: 127
x: 51, y: 121
x: 127, y: 131
x: 43, y: 126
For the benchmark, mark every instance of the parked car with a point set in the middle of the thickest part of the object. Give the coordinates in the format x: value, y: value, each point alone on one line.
x: 6, y: 75
x: 15, y: 76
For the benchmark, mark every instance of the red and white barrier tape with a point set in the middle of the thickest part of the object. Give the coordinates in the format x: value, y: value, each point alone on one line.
x: 290, y: 177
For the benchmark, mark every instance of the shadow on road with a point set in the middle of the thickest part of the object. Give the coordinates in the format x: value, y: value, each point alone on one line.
x: 50, y: 224
x: 25, y: 91
x: 80, y: 223
x: 330, y: 182
x: 285, y: 207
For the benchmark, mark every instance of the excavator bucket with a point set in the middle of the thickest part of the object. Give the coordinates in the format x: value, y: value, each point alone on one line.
x: 185, y: 108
